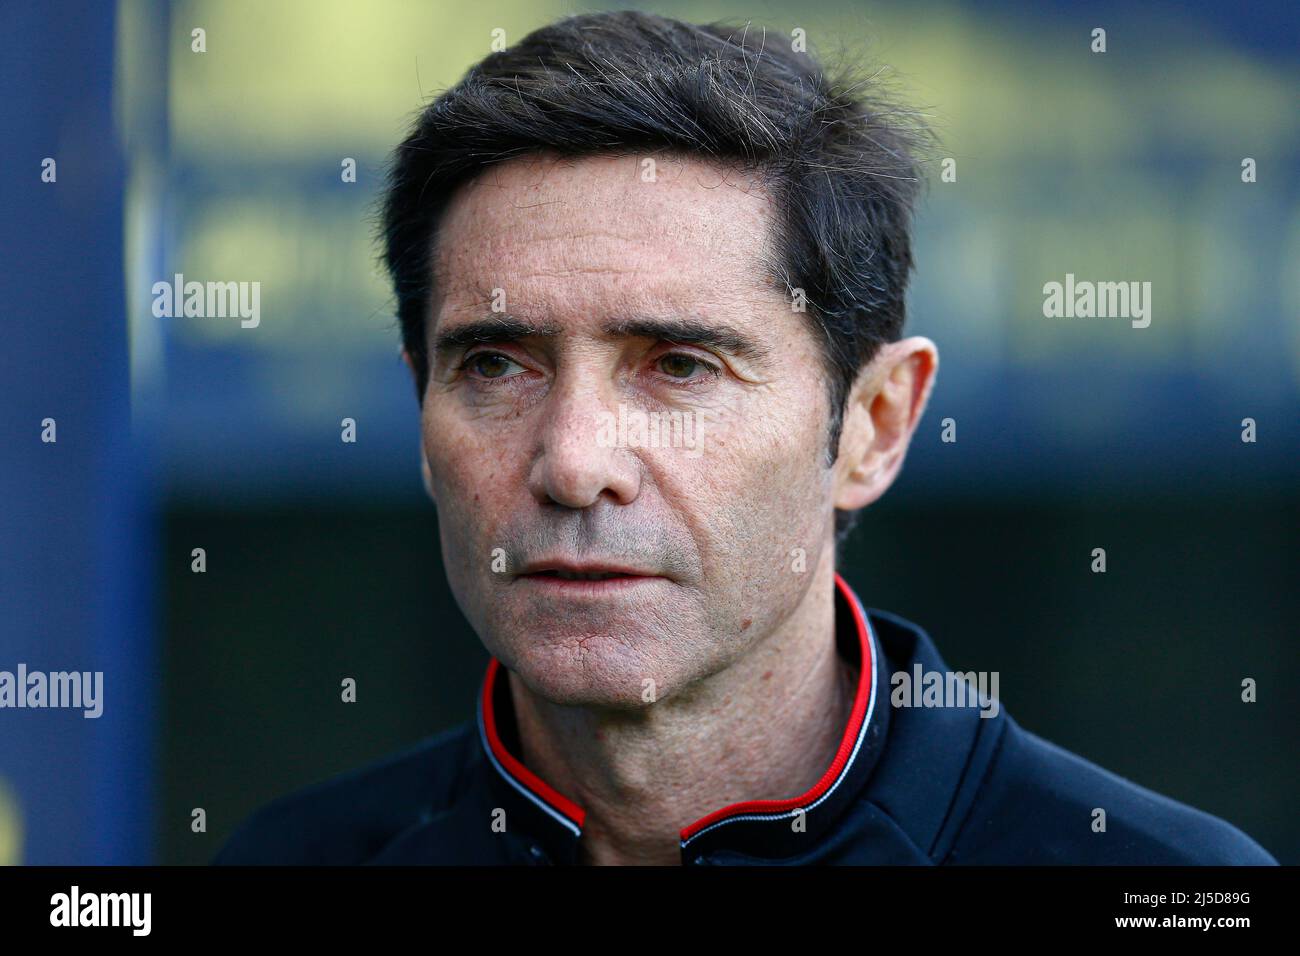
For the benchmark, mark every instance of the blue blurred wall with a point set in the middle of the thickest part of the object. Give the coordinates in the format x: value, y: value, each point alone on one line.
x: 75, y: 558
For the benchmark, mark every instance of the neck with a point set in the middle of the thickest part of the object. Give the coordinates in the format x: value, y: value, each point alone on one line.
x: 761, y: 729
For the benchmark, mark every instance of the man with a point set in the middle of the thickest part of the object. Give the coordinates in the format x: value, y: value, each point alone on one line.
x: 651, y: 282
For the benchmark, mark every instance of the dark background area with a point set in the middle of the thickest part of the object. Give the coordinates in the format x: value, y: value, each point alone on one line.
x: 1138, y: 669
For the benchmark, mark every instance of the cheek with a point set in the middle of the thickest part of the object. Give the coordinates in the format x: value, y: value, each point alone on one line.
x: 473, y: 490
x: 762, y: 487
x: 470, y: 471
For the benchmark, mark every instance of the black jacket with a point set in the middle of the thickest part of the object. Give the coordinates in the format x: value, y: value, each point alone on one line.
x: 909, y: 785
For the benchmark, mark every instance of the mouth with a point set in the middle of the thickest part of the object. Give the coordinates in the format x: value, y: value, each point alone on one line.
x: 582, y: 576
x: 591, y: 579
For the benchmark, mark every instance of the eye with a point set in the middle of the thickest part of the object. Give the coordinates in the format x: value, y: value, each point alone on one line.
x: 679, y: 365
x: 489, y: 364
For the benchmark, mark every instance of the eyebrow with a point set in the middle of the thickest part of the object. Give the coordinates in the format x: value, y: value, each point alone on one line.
x: 679, y: 331
x: 497, y: 328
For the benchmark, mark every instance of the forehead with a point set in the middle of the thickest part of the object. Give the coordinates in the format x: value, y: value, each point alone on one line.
x: 600, y: 232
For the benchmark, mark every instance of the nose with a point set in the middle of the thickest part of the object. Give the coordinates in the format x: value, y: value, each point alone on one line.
x: 578, y: 463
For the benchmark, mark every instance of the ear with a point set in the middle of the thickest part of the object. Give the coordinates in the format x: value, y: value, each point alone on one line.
x: 425, y: 474
x: 427, y: 477
x: 883, y: 409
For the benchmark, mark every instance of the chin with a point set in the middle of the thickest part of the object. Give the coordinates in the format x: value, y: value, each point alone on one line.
x: 593, y: 671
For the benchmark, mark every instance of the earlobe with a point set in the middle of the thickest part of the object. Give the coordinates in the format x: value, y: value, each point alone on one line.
x: 426, y: 475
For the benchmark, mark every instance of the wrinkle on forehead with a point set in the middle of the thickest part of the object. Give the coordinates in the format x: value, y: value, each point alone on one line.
x: 700, y: 223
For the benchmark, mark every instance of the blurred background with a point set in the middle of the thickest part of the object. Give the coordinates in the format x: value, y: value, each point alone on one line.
x: 222, y: 688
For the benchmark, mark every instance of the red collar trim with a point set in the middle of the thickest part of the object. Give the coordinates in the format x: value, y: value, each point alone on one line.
x: 848, y: 742
x: 552, y: 797
x: 576, y: 814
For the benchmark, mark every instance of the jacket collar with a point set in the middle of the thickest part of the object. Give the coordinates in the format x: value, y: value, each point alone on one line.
x: 769, y: 829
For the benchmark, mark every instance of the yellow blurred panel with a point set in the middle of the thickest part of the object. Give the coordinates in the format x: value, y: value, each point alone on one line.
x: 294, y: 76
x: 1067, y: 161
x: 320, y: 288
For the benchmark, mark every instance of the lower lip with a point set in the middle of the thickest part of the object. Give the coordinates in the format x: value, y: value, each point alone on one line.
x: 587, y: 588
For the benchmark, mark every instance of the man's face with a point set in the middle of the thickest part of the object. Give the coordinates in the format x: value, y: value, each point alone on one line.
x: 718, y: 508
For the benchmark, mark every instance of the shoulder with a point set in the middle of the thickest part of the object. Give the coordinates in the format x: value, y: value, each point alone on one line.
x: 1042, y: 804
x: 346, y: 819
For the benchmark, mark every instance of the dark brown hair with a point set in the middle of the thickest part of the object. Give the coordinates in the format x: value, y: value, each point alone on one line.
x: 840, y: 159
